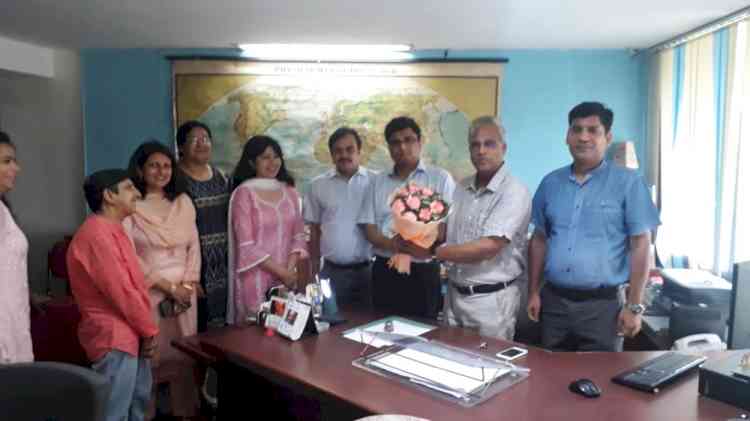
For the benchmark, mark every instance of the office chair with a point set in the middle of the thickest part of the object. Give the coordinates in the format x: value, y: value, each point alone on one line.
x: 54, y: 332
x: 57, y: 269
x: 46, y: 391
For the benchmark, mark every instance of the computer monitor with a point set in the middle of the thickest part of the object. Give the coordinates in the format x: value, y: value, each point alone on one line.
x: 739, y: 315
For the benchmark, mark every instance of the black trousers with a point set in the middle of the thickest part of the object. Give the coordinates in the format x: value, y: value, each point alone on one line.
x: 580, y: 325
x: 416, y: 294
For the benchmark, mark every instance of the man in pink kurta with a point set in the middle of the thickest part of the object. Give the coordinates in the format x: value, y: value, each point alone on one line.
x: 117, y: 329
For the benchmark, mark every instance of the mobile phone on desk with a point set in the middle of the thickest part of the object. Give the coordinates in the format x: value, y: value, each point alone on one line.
x: 512, y: 353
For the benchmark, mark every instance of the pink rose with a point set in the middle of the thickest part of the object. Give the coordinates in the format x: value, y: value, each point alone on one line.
x: 425, y: 215
x: 410, y: 216
x: 398, y: 206
x: 427, y: 192
x: 437, y: 207
x: 413, y: 188
x: 413, y: 202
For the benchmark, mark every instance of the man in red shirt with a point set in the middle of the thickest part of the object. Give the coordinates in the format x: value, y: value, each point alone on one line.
x: 117, y: 329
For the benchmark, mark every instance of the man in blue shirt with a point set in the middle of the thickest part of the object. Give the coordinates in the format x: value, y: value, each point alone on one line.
x: 593, y: 223
x: 331, y: 208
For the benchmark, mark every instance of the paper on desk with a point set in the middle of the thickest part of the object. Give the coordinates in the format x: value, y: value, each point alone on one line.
x: 437, y: 373
x: 364, y: 334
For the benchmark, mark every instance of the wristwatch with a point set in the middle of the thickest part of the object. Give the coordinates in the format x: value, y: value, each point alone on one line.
x: 636, y: 308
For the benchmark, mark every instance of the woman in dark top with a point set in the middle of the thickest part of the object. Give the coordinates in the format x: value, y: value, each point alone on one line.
x: 209, y: 189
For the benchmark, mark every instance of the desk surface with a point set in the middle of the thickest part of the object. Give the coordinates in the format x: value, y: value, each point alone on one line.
x: 323, y: 363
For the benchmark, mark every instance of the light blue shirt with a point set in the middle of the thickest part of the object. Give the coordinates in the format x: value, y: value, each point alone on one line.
x: 333, y: 202
x: 375, y: 208
x: 588, y: 224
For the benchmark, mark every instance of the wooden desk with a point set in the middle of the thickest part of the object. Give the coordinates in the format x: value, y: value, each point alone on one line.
x: 321, y: 366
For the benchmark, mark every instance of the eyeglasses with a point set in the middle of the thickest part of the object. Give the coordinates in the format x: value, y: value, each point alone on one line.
x: 201, y: 139
x: 408, y: 141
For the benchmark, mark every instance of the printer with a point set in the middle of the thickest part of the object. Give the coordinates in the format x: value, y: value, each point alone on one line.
x: 694, y: 287
x: 700, y: 302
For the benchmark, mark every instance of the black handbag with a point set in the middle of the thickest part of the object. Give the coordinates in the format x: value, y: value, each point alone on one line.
x: 168, y: 308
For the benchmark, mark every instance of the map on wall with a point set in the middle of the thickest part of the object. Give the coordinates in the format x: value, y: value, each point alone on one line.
x: 301, y: 104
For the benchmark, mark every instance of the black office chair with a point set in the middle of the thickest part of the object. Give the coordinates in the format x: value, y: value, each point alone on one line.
x: 47, y: 391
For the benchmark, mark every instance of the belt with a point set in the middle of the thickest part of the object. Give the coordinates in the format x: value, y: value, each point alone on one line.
x: 574, y: 294
x: 481, y: 289
x: 413, y: 262
x: 350, y: 266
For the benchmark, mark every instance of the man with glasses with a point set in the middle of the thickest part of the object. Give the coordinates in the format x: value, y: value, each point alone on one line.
x: 417, y: 293
x: 593, y: 223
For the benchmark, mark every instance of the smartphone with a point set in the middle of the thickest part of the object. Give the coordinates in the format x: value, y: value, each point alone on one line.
x: 512, y: 353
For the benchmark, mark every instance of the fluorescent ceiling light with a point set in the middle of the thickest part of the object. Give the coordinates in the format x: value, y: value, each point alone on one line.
x: 327, y: 52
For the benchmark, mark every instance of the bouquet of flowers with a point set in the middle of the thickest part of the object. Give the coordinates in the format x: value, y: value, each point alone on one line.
x: 417, y: 211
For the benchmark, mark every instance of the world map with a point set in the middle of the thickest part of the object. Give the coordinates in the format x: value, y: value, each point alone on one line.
x: 301, y: 112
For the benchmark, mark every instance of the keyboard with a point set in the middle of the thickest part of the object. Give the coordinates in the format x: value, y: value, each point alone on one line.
x: 656, y: 372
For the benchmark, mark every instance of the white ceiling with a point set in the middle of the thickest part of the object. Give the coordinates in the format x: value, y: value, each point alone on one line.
x: 441, y: 24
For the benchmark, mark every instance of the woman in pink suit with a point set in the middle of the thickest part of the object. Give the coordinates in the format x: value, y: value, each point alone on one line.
x: 266, y: 238
x: 166, y: 241
x: 15, y: 336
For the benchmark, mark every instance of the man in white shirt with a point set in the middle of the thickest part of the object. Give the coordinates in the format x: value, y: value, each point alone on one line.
x: 486, y: 238
x: 331, y: 208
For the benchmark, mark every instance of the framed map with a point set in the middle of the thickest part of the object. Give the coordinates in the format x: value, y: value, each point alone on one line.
x: 301, y: 104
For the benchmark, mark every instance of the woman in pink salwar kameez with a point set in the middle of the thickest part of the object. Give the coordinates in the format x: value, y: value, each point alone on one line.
x: 15, y: 335
x: 166, y: 241
x: 266, y: 236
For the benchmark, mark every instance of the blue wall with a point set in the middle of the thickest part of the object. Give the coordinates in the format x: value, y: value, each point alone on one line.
x: 127, y: 98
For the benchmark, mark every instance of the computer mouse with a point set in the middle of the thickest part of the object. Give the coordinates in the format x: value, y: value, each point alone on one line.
x: 585, y: 387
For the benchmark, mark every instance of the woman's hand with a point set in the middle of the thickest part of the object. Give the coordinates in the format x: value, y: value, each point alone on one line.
x: 287, y: 275
x: 178, y: 292
x: 199, y: 291
x: 293, y: 261
x: 290, y: 278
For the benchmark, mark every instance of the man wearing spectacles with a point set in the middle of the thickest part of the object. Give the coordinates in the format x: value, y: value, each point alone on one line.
x: 417, y: 293
x: 592, y: 231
